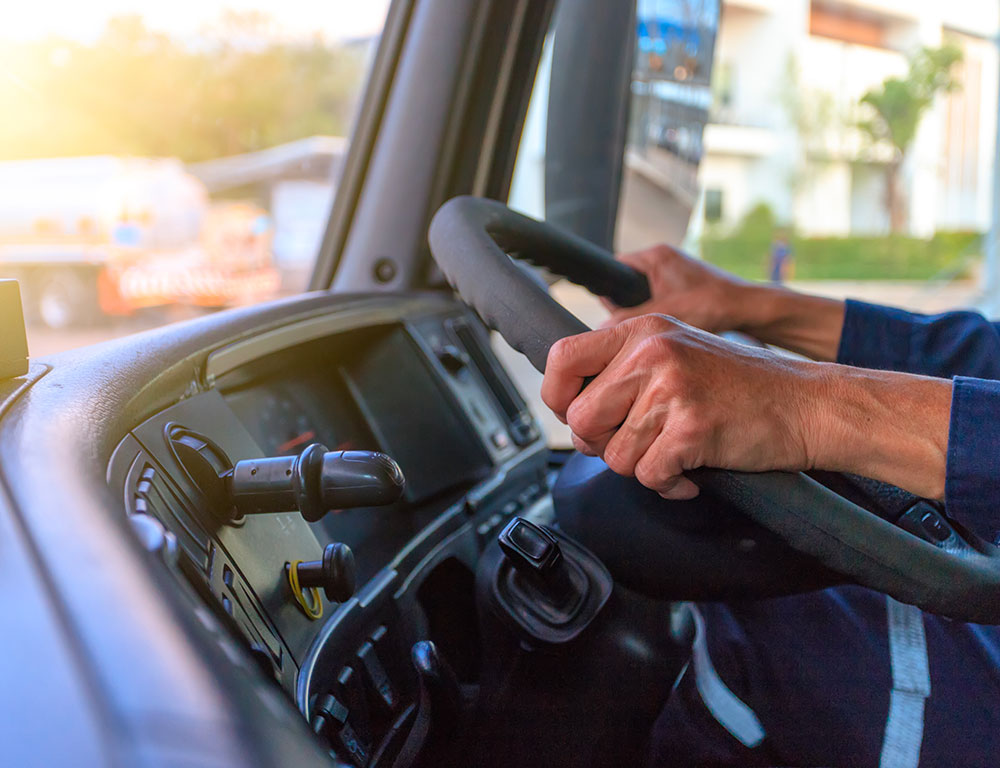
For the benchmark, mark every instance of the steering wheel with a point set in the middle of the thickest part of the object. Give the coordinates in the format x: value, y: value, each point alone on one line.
x: 474, y: 241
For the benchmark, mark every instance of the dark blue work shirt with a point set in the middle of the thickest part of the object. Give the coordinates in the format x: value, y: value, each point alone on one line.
x: 963, y: 345
x: 846, y: 676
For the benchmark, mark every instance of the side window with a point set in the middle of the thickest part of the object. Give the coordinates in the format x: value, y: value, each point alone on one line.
x: 527, y: 186
x: 163, y: 160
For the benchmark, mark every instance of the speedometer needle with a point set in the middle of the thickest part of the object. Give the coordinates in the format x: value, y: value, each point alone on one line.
x: 296, y: 441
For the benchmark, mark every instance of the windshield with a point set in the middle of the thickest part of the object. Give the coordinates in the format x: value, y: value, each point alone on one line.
x: 845, y: 149
x: 159, y: 161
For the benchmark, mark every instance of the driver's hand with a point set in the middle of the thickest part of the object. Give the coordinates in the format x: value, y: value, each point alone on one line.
x: 689, y: 289
x: 668, y: 397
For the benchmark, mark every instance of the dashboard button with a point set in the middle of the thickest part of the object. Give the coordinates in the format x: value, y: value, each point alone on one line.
x: 935, y: 527
x: 331, y: 719
x: 351, y: 691
x: 452, y: 358
x: 377, y: 677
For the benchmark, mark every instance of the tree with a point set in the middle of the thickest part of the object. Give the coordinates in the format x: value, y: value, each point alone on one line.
x: 896, y: 108
x: 135, y: 91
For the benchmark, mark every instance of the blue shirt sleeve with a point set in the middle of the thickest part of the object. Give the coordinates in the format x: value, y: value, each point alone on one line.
x: 946, y: 345
x: 972, y: 478
x: 953, y: 344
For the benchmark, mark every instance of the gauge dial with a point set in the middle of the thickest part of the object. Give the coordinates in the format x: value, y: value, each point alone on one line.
x: 286, y: 429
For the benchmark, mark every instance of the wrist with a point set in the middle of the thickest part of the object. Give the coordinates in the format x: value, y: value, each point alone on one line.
x: 756, y: 308
x: 808, y: 325
x: 887, y: 426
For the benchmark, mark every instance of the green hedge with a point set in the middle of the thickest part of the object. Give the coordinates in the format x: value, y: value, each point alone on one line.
x: 849, y: 258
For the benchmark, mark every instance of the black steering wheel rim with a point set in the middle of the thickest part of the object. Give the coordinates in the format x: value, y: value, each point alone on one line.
x: 473, y: 241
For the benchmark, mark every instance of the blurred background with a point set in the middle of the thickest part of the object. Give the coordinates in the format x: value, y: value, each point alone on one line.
x: 159, y: 160
x: 163, y: 160
x: 849, y: 148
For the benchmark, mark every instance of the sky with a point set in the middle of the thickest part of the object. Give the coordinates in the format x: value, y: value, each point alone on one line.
x: 83, y: 20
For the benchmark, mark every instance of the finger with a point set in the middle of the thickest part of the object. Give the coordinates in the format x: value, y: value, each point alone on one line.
x: 630, y: 443
x: 641, y: 261
x: 574, y: 359
x: 582, y: 446
x: 661, y: 469
x: 605, y: 404
x: 592, y: 446
x: 681, y: 489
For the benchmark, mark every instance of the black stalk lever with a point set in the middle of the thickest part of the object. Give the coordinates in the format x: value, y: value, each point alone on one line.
x: 314, y: 482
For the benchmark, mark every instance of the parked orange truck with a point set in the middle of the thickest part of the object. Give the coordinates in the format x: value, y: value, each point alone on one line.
x: 90, y: 237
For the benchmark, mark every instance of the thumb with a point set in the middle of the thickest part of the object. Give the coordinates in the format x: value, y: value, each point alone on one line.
x: 679, y: 489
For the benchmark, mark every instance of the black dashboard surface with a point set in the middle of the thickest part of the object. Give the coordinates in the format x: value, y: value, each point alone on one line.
x: 421, y: 386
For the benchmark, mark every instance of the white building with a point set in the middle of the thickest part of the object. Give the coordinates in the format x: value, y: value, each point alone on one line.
x: 788, y: 78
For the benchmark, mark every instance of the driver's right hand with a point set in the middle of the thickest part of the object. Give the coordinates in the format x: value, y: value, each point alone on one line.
x: 691, y: 290
x: 666, y: 398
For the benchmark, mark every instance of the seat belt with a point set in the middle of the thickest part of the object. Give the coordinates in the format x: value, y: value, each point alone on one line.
x: 911, y: 685
x: 726, y: 707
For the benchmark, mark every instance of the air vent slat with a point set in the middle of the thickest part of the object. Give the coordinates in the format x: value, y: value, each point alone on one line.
x: 151, y: 495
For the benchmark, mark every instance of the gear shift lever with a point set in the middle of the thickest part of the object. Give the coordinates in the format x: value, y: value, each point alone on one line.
x: 538, y: 559
x: 549, y: 586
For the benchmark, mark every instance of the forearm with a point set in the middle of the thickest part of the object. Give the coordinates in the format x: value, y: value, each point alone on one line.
x: 808, y: 325
x: 888, y: 426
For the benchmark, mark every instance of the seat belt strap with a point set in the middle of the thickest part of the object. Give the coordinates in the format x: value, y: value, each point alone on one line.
x: 911, y: 685
x: 726, y: 707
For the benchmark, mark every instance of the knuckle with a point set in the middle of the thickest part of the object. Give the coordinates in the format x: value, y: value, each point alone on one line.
x: 665, y: 252
x: 655, y: 323
x: 616, y: 459
x: 560, y: 353
x: 690, y: 432
x: 634, y: 324
x: 579, y: 417
x: 660, y: 346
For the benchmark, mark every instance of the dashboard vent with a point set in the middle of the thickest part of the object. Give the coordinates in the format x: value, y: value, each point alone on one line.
x: 149, y: 493
x: 518, y: 417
